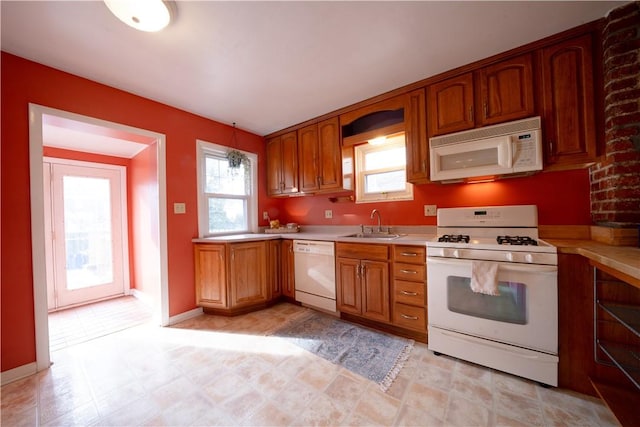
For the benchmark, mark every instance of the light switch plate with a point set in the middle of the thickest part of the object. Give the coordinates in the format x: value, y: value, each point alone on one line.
x: 179, y: 208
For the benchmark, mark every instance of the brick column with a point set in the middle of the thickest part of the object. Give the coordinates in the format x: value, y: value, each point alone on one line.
x: 615, y: 180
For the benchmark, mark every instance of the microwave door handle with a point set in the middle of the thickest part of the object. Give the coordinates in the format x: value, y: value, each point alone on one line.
x: 506, y: 155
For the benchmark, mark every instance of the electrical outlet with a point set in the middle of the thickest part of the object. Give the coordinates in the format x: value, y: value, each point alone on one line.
x: 430, y: 210
x: 179, y: 208
x: 328, y: 213
x: 265, y: 215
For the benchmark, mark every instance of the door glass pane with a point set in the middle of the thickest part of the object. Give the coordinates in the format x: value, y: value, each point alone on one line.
x: 227, y: 215
x: 87, y: 227
x: 510, y: 306
x: 472, y: 159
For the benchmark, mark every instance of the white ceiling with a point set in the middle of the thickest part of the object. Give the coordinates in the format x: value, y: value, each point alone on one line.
x: 269, y: 65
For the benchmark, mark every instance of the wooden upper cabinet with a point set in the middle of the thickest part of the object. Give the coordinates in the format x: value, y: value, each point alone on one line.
x: 450, y: 105
x: 282, y: 164
x: 417, y: 146
x: 319, y: 155
x: 568, y: 103
x: 506, y: 91
x: 502, y: 92
x: 330, y: 164
x: 308, y: 155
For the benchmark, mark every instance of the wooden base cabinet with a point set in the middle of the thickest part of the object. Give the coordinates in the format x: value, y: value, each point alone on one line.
x: 233, y: 278
x: 211, y: 278
x: 362, y: 273
x: 287, y: 273
x: 408, y: 288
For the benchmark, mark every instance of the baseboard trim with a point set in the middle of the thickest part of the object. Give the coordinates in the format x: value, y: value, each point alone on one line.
x: 18, y: 373
x: 142, y: 297
x: 185, y: 316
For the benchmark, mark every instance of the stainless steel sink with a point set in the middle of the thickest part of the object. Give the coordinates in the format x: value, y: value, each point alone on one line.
x: 384, y: 236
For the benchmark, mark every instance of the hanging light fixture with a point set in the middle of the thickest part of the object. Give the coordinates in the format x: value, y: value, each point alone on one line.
x: 143, y: 15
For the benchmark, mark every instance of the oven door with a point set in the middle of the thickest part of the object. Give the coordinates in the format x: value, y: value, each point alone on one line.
x: 525, y: 313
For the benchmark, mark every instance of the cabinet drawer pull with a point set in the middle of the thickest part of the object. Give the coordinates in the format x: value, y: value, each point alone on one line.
x: 409, y: 317
x: 409, y: 271
x: 409, y: 254
x: 413, y: 294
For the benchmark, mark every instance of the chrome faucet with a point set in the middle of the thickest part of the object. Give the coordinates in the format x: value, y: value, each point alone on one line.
x: 373, y: 213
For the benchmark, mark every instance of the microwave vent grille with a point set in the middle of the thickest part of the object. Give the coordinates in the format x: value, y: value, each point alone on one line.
x: 519, y: 126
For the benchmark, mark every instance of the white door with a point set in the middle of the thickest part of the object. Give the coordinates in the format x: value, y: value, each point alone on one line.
x: 87, y: 223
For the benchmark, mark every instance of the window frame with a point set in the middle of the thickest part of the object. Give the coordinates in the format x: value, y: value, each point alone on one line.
x: 205, y: 149
x: 360, y: 151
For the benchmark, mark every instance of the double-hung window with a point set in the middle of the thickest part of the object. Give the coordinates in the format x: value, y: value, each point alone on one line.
x: 227, y: 196
x: 381, y: 171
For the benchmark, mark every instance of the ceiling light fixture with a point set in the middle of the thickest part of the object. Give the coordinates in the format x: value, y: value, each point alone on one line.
x: 143, y: 15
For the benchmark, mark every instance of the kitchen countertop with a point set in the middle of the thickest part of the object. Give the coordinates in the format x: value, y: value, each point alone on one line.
x: 625, y: 259
x: 416, y: 236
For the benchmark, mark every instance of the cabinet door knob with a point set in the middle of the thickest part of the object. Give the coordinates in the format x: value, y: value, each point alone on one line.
x: 486, y: 109
x: 471, y: 113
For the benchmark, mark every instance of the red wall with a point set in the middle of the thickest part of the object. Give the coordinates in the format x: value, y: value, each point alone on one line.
x: 562, y: 198
x: 23, y: 82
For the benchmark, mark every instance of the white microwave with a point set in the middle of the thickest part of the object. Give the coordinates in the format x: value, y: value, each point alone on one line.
x: 491, y: 151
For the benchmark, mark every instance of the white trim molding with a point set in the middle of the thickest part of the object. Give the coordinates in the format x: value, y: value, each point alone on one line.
x: 18, y: 373
x: 185, y: 316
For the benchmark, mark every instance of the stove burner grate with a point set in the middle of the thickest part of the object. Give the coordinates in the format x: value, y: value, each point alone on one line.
x: 454, y: 238
x: 516, y: 240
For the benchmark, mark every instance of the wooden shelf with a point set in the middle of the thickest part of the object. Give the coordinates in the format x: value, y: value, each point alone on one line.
x: 623, y: 403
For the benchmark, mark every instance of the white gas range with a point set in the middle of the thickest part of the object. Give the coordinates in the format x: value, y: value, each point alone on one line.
x: 492, y: 291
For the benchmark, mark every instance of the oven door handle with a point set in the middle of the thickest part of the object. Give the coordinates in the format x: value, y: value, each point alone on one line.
x: 504, y: 266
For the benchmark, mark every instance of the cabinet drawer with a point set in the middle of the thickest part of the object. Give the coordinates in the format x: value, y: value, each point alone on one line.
x: 411, y: 293
x: 410, y: 317
x: 362, y: 251
x: 413, y: 272
x: 410, y: 254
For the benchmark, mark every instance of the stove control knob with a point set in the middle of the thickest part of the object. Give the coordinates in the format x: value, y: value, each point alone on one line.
x: 509, y: 256
x: 528, y: 258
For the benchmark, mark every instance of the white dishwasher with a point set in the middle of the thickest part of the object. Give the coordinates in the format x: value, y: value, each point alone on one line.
x: 315, y: 273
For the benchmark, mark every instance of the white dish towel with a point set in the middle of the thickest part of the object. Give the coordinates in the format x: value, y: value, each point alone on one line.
x: 484, y: 277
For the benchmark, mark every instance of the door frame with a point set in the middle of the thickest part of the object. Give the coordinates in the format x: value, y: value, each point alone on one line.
x: 36, y: 113
x: 122, y: 173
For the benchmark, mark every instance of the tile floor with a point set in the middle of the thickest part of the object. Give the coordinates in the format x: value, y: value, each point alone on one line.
x: 214, y: 370
x: 83, y: 323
